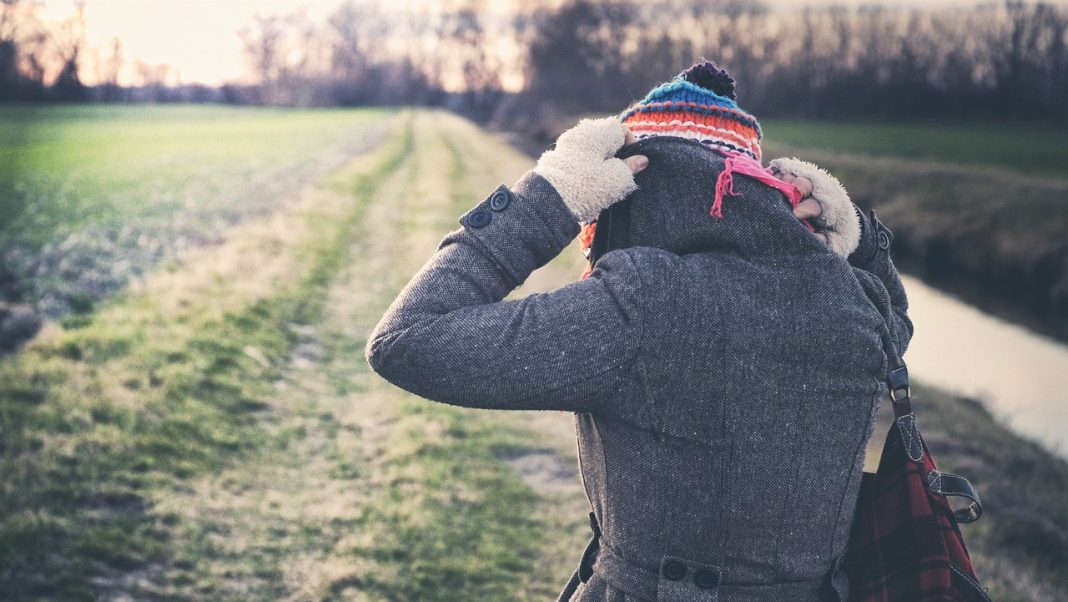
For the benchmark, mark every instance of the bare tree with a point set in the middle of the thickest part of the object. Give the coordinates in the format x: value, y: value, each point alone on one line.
x: 354, y: 36
x: 23, y: 43
x: 464, y: 40
x: 68, y: 42
x: 10, y: 78
x: 110, y: 71
x: 1008, y: 59
x: 262, y: 40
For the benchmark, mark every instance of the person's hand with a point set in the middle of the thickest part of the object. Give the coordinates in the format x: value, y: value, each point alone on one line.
x: 809, y: 208
x: 583, y: 170
x: 825, y: 203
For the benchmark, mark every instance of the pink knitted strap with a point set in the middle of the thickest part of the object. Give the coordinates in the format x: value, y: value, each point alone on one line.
x: 747, y: 166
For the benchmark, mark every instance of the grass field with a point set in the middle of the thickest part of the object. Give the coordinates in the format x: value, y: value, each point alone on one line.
x: 1026, y: 149
x: 213, y: 432
x: 95, y: 196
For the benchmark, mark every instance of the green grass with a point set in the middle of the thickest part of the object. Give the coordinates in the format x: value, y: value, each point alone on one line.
x: 96, y: 421
x: 452, y: 520
x: 163, y: 446
x: 469, y: 532
x: 1024, y: 149
x: 103, y: 165
x: 92, y: 197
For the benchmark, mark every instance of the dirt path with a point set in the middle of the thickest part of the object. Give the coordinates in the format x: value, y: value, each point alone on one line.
x: 346, y: 496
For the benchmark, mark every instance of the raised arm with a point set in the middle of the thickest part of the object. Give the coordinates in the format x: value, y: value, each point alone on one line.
x: 450, y: 337
x: 873, y: 256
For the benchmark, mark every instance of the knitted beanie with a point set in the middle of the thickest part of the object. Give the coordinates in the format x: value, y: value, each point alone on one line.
x: 698, y: 103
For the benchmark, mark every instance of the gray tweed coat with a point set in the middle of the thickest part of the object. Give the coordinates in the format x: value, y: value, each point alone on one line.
x: 725, y: 373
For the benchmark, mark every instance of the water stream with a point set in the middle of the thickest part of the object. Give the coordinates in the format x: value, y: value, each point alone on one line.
x: 1020, y: 376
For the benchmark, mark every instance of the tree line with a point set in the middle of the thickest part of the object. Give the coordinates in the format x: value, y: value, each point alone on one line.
x: 1006, y: 60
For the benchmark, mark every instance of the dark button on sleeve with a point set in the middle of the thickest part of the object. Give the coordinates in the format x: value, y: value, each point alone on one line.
x: 674, y: 570
x: 706, y: 578
x: 500, y: 199
x: 884, y: 236
x: 479, y: 218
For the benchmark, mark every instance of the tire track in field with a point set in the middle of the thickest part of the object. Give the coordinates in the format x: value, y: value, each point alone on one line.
x: 468, y: 504
x: 552, y: 469
x: 347, y: 498
x: 295, y: 522
x: 264, y: 529
x: 403, y: 229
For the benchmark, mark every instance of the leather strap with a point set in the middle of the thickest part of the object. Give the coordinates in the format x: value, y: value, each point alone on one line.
x: 569, y: 589
x: 585, y: 569
x: 897, y: 380
x: 953, y: 485
x: 942, y: 483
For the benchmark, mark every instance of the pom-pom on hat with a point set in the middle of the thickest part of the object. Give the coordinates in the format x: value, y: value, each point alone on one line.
x: 698, y: 103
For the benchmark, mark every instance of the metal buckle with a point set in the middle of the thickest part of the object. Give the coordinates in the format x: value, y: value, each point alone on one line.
x: 893, y: 393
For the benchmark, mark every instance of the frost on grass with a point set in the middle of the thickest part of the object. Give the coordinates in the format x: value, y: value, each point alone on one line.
x: 80, y: 237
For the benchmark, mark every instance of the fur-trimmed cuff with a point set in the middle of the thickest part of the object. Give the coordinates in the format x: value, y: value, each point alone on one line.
x: 583, y: 170
x: 838, y: 217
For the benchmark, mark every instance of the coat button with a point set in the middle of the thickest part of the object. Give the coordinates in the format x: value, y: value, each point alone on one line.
x: 479, y: 218
x: 500, y: 200
x: 673, y: 570
x: 884, y: 240
x: 706, y: 579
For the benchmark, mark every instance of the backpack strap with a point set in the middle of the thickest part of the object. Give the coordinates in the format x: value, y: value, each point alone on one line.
x: 943, y: 483
x: 897, y: 381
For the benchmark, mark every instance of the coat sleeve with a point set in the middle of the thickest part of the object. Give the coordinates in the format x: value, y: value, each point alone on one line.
x: 872, y: 255
x: 451, y: 337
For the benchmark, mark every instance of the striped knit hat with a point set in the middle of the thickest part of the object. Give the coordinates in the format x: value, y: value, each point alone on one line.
x: 698, y: 103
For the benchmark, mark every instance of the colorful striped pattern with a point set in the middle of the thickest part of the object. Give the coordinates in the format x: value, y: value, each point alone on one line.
x: 682, y: 108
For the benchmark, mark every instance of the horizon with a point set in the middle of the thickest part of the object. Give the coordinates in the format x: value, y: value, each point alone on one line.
x: 200, y: 43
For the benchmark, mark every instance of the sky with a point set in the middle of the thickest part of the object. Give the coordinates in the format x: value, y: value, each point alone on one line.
x: 199, y: 38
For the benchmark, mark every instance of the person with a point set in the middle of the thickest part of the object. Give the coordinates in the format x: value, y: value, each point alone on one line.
x: 723, y: 356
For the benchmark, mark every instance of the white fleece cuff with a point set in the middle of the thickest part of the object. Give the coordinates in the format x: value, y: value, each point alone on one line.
x: 583, y: 170
x: 838, y: 217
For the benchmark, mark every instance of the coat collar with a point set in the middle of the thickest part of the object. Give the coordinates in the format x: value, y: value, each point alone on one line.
x: 671, y: 208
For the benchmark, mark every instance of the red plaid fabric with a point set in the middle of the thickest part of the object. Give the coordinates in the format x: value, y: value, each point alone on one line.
x: 905, y: 543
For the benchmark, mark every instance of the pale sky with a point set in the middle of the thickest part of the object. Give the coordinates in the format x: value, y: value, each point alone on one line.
x: 198, y: 38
